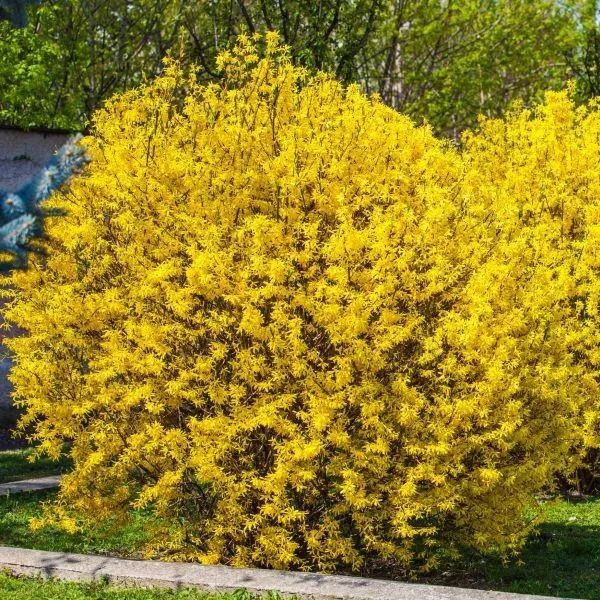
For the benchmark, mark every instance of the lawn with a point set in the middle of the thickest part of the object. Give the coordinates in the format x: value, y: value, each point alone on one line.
x: 17, y: 510
x: 27, y: 588
x: 563, y: 560
x: 14, y: 466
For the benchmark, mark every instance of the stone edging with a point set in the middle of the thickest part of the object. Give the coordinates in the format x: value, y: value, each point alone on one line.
x: 304, y: 586
x: 29, y: 485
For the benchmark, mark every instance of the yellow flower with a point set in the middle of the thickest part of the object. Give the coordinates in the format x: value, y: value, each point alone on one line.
x: 306, y: 331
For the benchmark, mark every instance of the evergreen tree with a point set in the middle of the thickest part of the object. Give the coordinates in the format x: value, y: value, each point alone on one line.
x: 15, y: 11
x: 21, y: 212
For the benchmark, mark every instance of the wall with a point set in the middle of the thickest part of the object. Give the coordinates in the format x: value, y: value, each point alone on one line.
x: 22, y: 154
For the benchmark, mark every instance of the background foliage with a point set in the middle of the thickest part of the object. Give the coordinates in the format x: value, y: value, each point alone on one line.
x: 443, y: 61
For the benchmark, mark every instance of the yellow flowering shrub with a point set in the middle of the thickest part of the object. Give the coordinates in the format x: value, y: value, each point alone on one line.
x: 306, y: 332
x: 535, y: 177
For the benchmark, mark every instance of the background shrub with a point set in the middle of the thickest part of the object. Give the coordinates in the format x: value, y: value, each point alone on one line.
x: 306, y: 331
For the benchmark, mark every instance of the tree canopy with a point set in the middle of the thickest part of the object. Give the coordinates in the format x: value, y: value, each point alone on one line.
x: 442, y: 61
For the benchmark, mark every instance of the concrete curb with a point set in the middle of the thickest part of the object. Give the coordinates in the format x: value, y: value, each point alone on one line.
x: 304, y: 586
x: 29, y: 485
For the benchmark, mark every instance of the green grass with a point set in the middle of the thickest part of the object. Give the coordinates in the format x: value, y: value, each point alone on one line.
x: 30, y: 588
x: 14, y: 466
x: 17, y: 510
x: 563, y: 560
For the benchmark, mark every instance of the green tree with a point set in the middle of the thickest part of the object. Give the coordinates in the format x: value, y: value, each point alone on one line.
x: 326, y: 34
x: 584, y: 58
x: 449, y: 61
x: 445, y: 61
x: 76, y: 53
x: 32, y: 89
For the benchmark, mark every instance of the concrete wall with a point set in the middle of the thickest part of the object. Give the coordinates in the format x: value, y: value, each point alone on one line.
x: 4, y: 366
x: 22, y: 154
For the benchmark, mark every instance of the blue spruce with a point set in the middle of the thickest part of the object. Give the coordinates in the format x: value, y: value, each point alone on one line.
x: 22, y: 212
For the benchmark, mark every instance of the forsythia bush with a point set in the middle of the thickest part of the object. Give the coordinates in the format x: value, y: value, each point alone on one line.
x: 306, y: 332
x: 537, y: 178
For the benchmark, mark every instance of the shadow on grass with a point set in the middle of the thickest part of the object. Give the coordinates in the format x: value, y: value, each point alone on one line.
x: 562, y: 560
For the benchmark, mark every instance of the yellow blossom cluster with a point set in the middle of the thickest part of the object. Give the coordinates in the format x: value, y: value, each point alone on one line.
x: 308, y: 333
